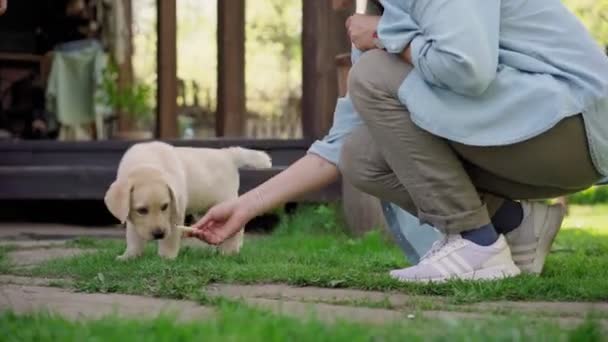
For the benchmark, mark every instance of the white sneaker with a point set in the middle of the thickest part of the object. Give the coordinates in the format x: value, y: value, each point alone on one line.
x: 458, y: 258
x: 531, y: 241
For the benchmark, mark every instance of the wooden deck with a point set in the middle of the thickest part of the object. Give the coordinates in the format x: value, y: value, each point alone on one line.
x: 49, y: 170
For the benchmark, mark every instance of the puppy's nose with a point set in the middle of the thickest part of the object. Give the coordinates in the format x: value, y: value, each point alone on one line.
x: 158, y: 234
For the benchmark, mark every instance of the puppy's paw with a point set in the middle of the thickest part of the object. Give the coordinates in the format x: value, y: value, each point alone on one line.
x: 169, y: 247
x: 229, y: 251
x: 168, y: 256
x: 126, y: 256
x: 167, y: 252
x: 230, y: 247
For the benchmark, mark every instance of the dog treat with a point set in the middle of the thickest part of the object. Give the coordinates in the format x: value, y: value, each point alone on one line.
x: 185, y: 230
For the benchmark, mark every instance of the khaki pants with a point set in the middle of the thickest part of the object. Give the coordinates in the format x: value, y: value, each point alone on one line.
x: 451, y: 186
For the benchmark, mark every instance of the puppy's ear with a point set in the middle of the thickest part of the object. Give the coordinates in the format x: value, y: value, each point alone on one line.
x: 178, y: 205
x: 174, y: 208
x: 118, y: 198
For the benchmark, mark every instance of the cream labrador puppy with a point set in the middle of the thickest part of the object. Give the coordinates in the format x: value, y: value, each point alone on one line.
x: 157, y: 185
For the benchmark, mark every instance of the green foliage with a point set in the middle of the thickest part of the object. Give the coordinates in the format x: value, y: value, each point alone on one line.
x: 312, y: 219
x: 594, y: 14
x: 132, y: 100
x: 593, y: 195
x: 273, y: 51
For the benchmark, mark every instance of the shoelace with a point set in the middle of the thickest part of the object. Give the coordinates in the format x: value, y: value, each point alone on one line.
x: 440, y: 247
x: 435, y: 247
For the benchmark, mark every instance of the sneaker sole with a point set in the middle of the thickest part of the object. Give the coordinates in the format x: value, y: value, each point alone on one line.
x: 489, y: 273
x: 545, y: 241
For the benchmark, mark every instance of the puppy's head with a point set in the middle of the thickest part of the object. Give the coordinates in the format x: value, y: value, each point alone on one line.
x: 147, y: 200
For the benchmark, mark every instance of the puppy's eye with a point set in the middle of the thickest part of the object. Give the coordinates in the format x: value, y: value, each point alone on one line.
x: 142, y: 211
x: 164, y: 207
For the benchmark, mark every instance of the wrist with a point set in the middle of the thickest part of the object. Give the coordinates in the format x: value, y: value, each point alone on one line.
x: 250, y: 203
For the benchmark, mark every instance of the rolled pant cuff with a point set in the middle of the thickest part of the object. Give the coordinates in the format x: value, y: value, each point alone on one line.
x: 457, y: 223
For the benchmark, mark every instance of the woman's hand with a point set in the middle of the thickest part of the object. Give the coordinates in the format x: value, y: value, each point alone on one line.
x: 222, y: 221
x: 307, y: 174
x: 361, y: 30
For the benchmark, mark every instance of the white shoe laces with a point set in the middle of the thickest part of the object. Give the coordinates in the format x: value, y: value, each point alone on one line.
x: 435, y: 247
x: 441, y: 248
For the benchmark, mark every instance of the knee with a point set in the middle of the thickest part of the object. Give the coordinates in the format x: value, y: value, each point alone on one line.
x: 364, y: 76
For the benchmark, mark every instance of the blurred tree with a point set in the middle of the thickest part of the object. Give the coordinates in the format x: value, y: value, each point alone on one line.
x: 594, y: 14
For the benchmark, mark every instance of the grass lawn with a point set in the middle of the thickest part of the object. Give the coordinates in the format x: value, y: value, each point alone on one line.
x: 589, y: 217
x: 310, y: 248
x: 239, y: 323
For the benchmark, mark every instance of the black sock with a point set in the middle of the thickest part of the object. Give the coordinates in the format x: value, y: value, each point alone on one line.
x: 508, y: 217
x: 483, y: 236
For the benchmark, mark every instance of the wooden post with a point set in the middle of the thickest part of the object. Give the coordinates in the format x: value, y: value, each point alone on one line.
x: 125, y: 69
x: 230, y: 115
x: 166, y: 116
x: 323, y: 37
x: 342, y: 4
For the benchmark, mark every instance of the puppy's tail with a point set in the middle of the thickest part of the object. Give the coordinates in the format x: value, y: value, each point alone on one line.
x: 252, y: 158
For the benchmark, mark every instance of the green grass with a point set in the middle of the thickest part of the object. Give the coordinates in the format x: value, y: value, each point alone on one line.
x: 593, y: 195
x: 310, y: 249
x: 238, y: 323
x: 593, y: 219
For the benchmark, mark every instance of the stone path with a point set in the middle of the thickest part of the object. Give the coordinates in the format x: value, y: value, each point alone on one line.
x: 399, y: 301
x: 35, y: 244
x: 27, y: 298
x: 31, y: 257
x: 22, y: 294
x: 11, y: 233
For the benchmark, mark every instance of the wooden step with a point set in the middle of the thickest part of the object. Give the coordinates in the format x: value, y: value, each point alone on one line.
x: 108, y: 153
x: 91, y: 182
x: 54, y: 170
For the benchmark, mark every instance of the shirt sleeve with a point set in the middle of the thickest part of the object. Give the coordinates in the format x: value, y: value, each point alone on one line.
x: 396, y: 28
x: 454, y: 43
x: 345, y: 120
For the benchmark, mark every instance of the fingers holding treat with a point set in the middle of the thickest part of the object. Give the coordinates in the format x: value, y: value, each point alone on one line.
x: 186, y: 231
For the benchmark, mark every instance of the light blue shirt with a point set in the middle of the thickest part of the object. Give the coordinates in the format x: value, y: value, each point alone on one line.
x: 490, y: 72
